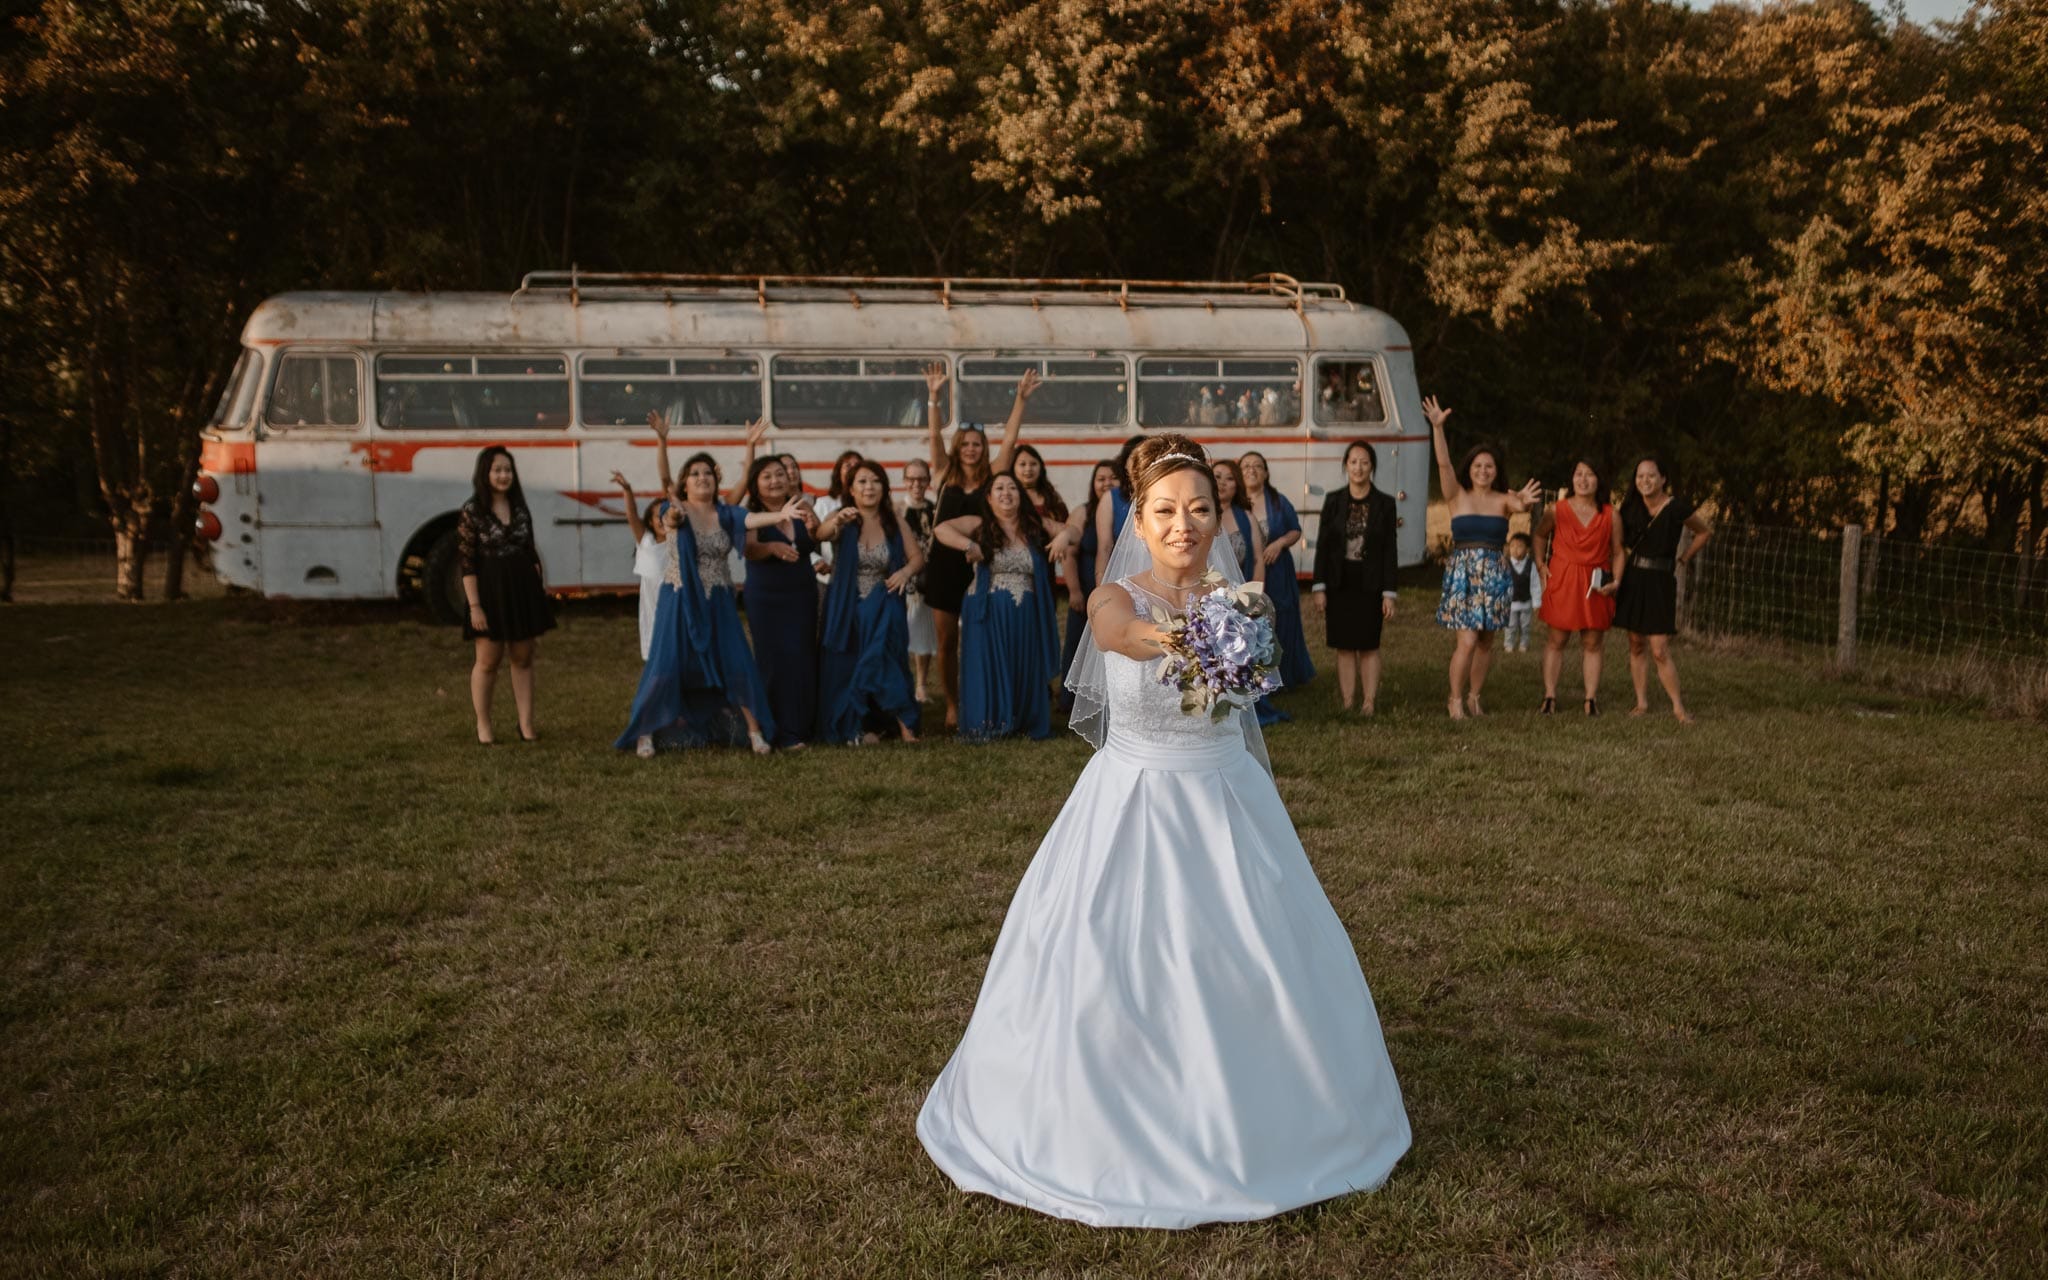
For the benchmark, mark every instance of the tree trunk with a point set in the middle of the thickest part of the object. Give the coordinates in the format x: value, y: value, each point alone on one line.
x: 131, y: 550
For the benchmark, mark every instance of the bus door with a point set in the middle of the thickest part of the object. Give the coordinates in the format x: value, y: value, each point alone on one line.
x: 317, y: 506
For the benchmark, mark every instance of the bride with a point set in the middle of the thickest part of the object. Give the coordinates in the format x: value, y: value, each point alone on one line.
x: 1173, y: 1028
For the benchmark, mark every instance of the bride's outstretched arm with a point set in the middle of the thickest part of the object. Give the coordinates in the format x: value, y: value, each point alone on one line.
x: 1117, y: 626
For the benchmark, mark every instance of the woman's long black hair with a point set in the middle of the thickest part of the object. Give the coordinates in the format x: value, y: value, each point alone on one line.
x: 1600, y: 495
x: 1634, y: 501
x: 990, y: 536
x: 480, y: 483
x: 887, y: 511
x: 1116, y: 472
x: 1055, y: 505
x: 840, y: 475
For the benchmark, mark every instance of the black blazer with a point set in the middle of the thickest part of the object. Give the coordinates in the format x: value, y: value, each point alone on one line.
x: 1382, y: 549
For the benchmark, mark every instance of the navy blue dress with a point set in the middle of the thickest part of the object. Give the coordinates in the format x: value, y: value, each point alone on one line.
x: 699, y: 671
x: 865, y: 685
x: 1295, y: 666
x: 1009, y: 648
x: 782, y: 613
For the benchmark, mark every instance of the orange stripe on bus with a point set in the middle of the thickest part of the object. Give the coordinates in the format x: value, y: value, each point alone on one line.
x: 228, y: 457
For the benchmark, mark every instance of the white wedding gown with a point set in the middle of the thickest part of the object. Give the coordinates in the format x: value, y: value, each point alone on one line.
x: 1173, y: 1028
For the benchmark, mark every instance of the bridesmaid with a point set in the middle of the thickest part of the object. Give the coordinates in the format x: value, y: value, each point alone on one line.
x: 1274, y: 515
x: 918, y: 513
x: 1008, y: 645
x: 782, y: 603
x: 1652, y: 520
x: 1357, y: 556
x: 1247, y: 540
x: 1028, y: 465
x: 700, y: 676
x: 508, y: 609
x: 1248, y: 545
x: 962, y: 475
x: 866, y: 682
x: 1474, y: 602
x: 1083, y: 553
x: 1577, y: 539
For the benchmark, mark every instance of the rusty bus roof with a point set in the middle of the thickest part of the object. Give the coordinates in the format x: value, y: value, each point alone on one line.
x: 648, y: 311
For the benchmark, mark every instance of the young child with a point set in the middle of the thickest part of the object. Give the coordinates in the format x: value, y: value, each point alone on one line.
x: 1526, y: 597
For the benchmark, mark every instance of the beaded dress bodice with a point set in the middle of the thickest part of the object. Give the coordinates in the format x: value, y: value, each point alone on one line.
x: 1010, y: 570
x: 714, y: 569
x: 873, y: 569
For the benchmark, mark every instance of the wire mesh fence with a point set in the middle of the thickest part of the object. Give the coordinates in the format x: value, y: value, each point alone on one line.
x: 1941, y: 619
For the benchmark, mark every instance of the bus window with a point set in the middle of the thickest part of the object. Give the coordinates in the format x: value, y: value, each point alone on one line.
x: 235, y: 397
x: 620, y: 392
x: 1075, y: 393
x: 490, y: 393
x: 1348, y: 391
x: 850, y: 391
x: 314, y: 391
x: 1206, y: 391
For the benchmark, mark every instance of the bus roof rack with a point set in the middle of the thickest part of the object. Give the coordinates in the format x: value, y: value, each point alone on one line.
x: 640, y: 286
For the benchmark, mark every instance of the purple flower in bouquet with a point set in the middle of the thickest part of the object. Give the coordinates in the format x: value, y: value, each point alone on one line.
x: 1224, y: 653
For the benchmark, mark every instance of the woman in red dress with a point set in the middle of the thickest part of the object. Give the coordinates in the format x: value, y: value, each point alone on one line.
x: 1578, y: 552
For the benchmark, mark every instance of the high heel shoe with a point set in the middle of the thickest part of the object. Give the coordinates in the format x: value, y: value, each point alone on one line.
x: 1592, y: 706
x: 1549, y: 707
x: 524, y: 736
x: 482, y: 741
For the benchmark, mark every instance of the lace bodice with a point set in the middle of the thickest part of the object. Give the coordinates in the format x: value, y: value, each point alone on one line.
x: 1009, y: 570
x: 873, y: 568
x: 714, y: 570
x: 1141, y: 708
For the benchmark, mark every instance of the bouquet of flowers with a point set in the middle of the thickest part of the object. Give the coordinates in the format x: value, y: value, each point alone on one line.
x: 1224, y: 653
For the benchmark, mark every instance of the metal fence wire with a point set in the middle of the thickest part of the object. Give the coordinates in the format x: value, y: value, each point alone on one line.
x: 1946, y: 619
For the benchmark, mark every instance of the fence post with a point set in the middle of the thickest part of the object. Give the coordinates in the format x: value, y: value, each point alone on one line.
x: 1845, y: 621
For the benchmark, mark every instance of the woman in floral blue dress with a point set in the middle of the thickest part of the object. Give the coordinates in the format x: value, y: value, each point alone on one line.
x: 1477, y: 588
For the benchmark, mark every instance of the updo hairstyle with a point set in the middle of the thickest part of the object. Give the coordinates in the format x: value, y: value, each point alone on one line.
x: 1150, y: 463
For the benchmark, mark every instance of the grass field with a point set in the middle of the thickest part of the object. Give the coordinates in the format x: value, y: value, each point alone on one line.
x: 300, y: 982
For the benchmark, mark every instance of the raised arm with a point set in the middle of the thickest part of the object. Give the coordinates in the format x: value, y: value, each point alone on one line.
x: 1447, y: 478
x: 935, y: 383
x: 1523, y: 498
x: 755, y: 430
x: 658, y: 420
x: 633, y: 520
x: 1014, y: 424
x: 1116, y: 626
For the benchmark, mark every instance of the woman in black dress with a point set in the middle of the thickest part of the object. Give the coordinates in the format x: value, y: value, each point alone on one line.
x: 501, y: 578
x: 962, y: 474
x: 1646, y: 599
x: 1356, y: 559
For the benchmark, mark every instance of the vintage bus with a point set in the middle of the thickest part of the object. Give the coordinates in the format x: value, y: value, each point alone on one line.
x: 344, y: 444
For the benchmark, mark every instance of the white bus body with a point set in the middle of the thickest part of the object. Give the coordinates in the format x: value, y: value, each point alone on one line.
x: 345, y: 443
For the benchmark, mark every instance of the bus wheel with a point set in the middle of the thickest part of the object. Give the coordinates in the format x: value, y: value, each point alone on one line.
x: 441, y: 581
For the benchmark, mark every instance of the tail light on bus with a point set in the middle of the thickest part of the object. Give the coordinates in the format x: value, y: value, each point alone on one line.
x: 207, y: 526
x: 206, y: 488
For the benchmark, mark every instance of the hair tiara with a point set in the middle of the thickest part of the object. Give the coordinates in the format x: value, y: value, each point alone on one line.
x: 1184, y: 457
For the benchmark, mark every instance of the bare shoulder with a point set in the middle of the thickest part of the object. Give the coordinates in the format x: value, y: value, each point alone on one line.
x: 1111, y: 595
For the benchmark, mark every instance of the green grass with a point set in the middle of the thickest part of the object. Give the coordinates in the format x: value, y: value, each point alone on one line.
x: 299, y: 982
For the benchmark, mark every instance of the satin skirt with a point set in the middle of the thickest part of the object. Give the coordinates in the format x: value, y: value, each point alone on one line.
x: 1173, y: 1028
